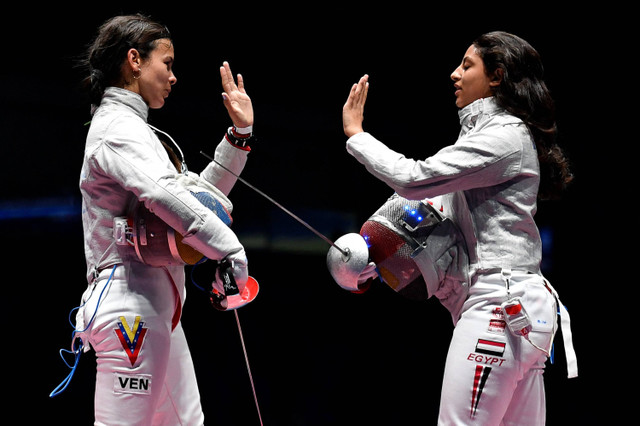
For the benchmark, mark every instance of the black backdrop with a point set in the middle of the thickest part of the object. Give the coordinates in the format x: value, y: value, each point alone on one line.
x: 319, y: 355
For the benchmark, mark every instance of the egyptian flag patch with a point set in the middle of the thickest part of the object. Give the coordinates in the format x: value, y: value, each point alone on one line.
x: 131, y: 337
x: 490, y: 347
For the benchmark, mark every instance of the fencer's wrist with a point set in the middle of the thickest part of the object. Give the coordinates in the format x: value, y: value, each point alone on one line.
x: 239, y: 257
x: 352, y: 131
x: 240, y: 137
x: 243, y: 130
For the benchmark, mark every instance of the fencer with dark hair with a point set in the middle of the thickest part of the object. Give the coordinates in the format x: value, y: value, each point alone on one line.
x: 131, y: 309
x: 489, y: 182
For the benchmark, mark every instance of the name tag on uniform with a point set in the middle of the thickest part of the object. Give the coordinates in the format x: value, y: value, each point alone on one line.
x: 132, y: 383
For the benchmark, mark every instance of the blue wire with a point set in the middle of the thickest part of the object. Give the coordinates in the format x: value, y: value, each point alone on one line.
x: 193, y: 281
x: 63, y: 386
x: 77, y: 351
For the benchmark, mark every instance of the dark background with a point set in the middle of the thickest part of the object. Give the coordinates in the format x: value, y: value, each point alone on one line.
x: 319, y: 355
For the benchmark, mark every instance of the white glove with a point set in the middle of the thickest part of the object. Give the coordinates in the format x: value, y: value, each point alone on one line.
x: 235, y: 265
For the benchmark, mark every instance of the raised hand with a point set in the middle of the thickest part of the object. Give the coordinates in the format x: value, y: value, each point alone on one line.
x: 235, y: 98
x: 353, y: 110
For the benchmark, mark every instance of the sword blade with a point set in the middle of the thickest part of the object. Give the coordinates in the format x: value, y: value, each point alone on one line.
x: 280, y: 206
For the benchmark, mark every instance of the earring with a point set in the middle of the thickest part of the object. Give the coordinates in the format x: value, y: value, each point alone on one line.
x: 134, y: 74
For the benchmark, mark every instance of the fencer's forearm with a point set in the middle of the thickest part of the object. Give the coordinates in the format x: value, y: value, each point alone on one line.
x: 201, y: 228
x: 163, y: 195
x: 469, y: 163
x: 213, y: 239
x: 232, y: 158
x: 389, y: 166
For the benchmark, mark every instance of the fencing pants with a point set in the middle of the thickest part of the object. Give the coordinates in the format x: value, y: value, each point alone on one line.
x: 145, y: 375
x: 493, y: 377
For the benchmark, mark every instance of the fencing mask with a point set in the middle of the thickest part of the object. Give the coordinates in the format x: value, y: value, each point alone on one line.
x: 415, y: 246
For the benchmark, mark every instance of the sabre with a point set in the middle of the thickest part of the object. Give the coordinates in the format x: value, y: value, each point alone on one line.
x: 345, y: 252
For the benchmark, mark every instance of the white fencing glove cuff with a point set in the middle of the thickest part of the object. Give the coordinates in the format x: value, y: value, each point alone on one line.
x: 230, y: 290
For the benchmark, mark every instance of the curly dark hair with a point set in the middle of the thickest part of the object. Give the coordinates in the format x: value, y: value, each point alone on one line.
x: 524, y: 94
x: 108, y: 51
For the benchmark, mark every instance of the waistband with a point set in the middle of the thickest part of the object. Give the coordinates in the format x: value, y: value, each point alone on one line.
x: 490, y: 271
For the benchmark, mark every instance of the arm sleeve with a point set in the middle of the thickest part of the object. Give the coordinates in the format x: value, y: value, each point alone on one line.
x: 233, y: 159
x: 480, y: 160
x: 131, y: 157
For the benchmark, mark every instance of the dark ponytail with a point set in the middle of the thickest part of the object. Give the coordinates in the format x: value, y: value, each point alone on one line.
x: 524, y: 94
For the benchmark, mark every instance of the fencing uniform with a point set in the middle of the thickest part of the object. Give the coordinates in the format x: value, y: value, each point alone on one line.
x: 131, y: 311
x: 490, y: 177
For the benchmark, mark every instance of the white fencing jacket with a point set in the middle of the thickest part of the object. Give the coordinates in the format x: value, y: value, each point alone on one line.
x: 490, y: 177
x: 124, y: 161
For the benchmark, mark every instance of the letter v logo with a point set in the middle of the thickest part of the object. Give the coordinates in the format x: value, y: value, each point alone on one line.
x: 131, y: 337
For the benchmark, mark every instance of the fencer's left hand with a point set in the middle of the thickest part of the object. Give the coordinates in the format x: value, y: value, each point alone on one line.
x: 353, y: 109
x: 235, y: 98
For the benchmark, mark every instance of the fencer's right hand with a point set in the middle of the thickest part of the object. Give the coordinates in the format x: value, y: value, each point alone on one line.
x: 353, y: 109
x: 235, y: 98
x: 236, y: 265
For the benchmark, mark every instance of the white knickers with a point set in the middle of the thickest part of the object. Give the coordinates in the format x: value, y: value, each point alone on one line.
x: 493, y: 377
x: 145, y: 374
